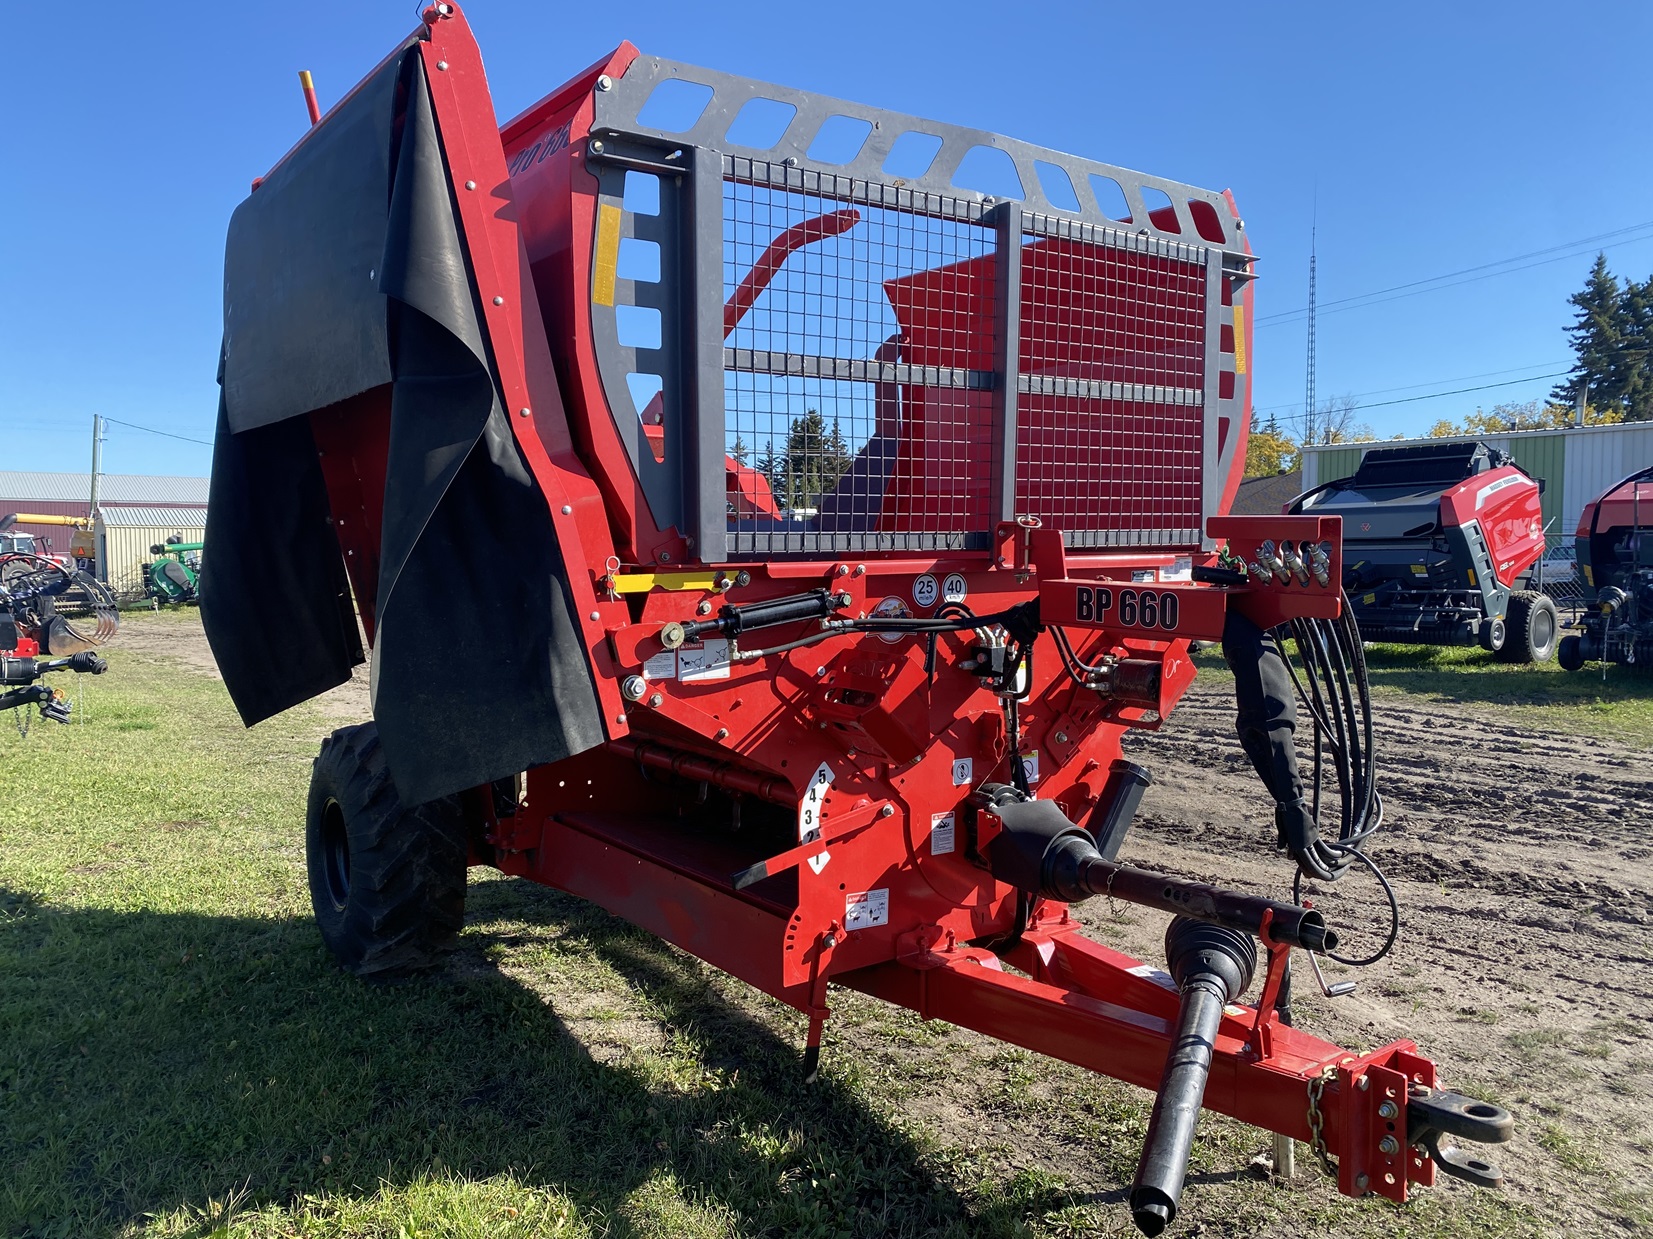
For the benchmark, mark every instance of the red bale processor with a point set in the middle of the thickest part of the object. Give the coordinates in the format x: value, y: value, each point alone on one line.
x: 1615, y: 557
x: 770, y: 539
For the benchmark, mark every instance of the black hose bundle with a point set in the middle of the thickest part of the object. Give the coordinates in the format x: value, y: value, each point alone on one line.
x: 1333, y: 656
x: 1328, y: 677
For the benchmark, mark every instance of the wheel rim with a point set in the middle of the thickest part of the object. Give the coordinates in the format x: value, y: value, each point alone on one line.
x: 1543, y: 630
x: 335, y: 853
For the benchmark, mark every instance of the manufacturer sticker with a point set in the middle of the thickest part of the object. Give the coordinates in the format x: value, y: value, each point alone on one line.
x: 892, y: 608
x: 809, y: 808
x: 925, y: 590
x: 964, y: 771
x: 1180, y: 570
x: 867, y: 909
x: 1156, y: 975
x: 708, y: 661
x: 953, y: 589
x: 663, y: 666
x: 941, y: 834
x: 1138, y: 575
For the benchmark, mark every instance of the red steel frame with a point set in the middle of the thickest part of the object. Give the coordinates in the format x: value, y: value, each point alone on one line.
x: 891, y: 734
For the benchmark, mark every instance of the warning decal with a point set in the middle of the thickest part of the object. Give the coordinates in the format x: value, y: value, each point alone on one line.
x: 866, y: 909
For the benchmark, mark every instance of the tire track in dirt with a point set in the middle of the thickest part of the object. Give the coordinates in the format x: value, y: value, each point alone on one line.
x: 1524, y: 871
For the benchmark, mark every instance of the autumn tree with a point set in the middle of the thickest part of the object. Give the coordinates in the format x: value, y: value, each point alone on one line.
x: 1269, y: 451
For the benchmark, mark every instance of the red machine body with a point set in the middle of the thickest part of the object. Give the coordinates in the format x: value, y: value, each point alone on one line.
x: 1032, y: 402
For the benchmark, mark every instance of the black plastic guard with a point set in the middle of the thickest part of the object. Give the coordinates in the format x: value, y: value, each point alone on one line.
x: 479, y: 668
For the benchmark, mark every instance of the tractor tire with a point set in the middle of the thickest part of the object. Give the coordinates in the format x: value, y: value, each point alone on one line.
x: 1570, y: 653
x: 1533, y: 627
x: 387, y: 880
x: 1494, y: 635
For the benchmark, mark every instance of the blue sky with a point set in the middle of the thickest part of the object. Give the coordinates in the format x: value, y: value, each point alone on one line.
x: 1426, y: 139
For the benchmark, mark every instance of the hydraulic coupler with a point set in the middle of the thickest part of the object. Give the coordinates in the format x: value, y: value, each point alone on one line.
x: 1211, y: 965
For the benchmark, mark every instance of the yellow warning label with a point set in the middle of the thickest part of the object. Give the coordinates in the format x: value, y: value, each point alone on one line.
x: 1420, y: 570
x: 1239, y: 339
x: 1470, y: 572
x: 608, y: 254
x: 1369, y: 599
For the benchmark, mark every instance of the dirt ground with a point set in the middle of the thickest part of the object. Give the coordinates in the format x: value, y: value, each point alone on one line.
x: 1524, y: 870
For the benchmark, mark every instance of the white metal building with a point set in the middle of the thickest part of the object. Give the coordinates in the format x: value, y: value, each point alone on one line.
x: 125, y: 532
x: 1577, y: 464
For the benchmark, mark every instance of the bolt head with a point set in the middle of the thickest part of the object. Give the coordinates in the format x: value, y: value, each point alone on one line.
x: 704, y: 608
x: 470, y: 184
x: 567, y: 510
x: 596, y: 146
x: 1061, y: 737
x: 722, y: 733
x: 655, y: 700
x: 595, y: 616
x: 1389, y: 1146
x: 604, y: 82
x: 1362, y: 1183
x: 499, y: 300
x: 743, y: 577
x: 442, y: 66
x: 887, y: 811
x: 843, y: 569
x: 633, y: 687
x: 1364, y: 1083
x: 522, y: 412
x: 1388, y: 1110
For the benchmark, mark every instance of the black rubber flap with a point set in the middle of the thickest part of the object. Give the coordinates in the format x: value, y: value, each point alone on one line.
x: 479, y: 666
x: 304, y: 322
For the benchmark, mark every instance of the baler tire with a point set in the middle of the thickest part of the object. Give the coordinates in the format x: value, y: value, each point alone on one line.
x: 387, y: 880
x: 1532, y: 625
x: 1494, y: 635
x: 1570, y: 653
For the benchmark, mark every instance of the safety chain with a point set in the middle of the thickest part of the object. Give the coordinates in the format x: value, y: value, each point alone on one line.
x: 1317, y: 1141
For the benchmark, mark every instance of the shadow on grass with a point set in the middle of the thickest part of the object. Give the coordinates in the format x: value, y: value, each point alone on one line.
x: 153, y: 1061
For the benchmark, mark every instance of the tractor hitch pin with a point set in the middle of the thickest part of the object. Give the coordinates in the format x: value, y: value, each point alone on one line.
x: 1330, y: 991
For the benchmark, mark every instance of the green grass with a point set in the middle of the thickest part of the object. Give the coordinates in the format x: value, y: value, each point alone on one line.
x: 1542, y: 697
x: 179, y: 1056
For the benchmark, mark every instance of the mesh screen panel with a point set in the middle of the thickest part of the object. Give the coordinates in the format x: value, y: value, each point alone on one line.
x: 862, y: 354
x: 1110, y: 417
x: 859, y: 361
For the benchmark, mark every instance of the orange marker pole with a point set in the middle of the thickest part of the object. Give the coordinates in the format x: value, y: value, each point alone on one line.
x: 309, y: 85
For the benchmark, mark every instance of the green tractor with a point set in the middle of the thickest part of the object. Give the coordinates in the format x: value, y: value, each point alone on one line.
x: 175, y: 575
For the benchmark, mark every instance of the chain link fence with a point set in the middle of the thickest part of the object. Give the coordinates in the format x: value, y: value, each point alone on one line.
x: 1557, y: 574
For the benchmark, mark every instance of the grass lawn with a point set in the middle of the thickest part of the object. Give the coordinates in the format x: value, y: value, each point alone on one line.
x: 180, y: 1057
x: 1618, y: 706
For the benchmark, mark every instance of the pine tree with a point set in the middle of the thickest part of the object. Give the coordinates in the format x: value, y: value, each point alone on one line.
x: 1635, y: 369
x: 816, y: 458
x: 1597, y: 339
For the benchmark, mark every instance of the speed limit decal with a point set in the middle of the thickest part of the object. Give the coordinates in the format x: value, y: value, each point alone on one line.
x: 954, y: 589
x: 1130, y: 608
x: 925, y: 590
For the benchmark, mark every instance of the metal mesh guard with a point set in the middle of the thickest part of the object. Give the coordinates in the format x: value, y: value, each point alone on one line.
x: 863, y: 360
